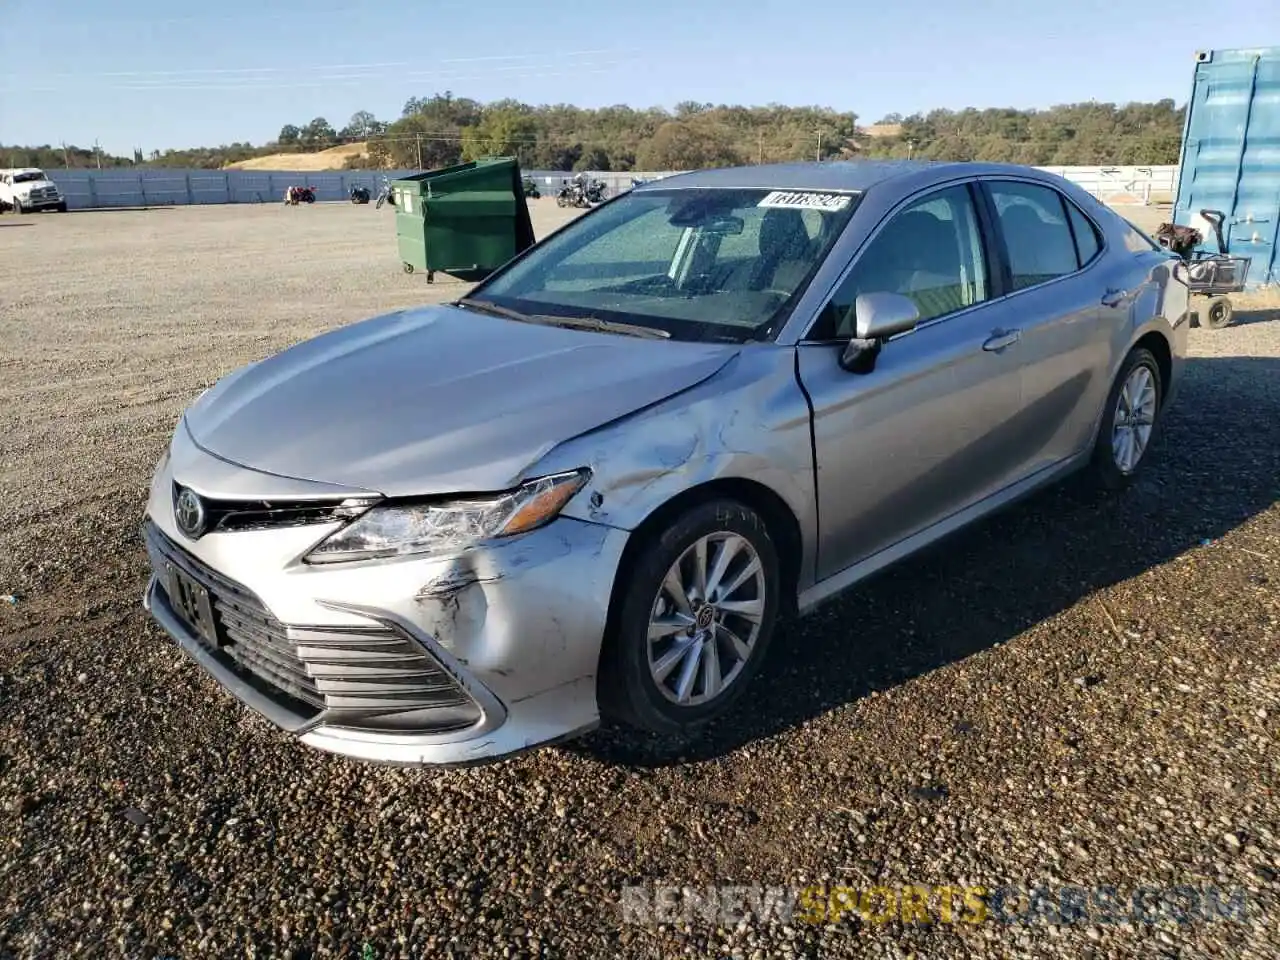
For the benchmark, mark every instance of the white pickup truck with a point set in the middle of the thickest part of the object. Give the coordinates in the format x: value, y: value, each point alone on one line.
x: 27, y: 188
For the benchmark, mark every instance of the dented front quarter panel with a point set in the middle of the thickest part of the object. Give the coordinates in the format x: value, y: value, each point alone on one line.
x: 748, y: 422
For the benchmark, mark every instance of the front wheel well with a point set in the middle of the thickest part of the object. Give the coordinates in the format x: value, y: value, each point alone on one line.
x: 778, y: 518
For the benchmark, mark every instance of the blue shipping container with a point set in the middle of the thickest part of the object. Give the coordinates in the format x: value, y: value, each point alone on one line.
x: 1231, y: 155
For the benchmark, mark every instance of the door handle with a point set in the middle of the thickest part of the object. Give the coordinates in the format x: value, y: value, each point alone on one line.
x: 1114, y: 297
x: 1001, y: 339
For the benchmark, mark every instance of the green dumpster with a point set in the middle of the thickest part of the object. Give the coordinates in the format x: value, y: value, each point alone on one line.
x: 465, y: 220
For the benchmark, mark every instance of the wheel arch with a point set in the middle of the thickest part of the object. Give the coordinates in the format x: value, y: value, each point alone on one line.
x: 779, y: 519
x: 1156, y: 342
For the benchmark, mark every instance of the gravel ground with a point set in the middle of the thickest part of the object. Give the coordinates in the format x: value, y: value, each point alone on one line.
x: 1080, y: 691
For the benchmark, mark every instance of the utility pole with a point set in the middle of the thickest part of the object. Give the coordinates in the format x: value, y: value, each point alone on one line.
x: 66, y: 162
x: 819, y: 146
x: 760, y: 154
x: 97, y: 152
x: 418, y: 139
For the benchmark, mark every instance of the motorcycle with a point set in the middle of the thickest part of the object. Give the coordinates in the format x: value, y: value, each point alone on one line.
x: 360, y: 194
x: 296, y: 195
x: 531, y: 188
x: 385, y: 195
x: 581, y: 192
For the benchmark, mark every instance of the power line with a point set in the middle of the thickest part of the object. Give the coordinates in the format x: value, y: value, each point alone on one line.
x: 554, y: 57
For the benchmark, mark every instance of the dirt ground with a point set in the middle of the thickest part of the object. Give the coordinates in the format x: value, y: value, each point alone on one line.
x: 1080, y: 691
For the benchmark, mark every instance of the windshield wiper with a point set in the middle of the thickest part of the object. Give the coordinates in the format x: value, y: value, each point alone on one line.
x: 602, y: 326
x: 555, y: 320
x: 487, y: 307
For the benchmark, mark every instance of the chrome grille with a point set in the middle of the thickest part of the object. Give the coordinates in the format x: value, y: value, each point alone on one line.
x: 229, y: 515
x: 362, y: 677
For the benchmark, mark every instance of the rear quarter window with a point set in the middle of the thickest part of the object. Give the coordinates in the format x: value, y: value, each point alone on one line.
x: 1137, y: 241
x: 1088, y: 245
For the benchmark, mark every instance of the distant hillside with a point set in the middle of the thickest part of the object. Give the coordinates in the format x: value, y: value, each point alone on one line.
x: 335, y: 158
x: 442, y: 129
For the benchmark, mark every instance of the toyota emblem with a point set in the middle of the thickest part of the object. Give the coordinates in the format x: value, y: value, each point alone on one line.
x: 188, y: 511
x: 705, y: 617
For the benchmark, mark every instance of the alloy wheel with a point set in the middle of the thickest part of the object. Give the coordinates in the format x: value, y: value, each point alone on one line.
x: 706, y: 619
x: 1134, y: 420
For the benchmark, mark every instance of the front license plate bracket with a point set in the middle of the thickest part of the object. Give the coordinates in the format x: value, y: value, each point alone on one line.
x: 190, y: 601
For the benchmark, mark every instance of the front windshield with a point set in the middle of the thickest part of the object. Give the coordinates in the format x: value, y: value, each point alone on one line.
x: 28, y: 175
x: 700, y: 264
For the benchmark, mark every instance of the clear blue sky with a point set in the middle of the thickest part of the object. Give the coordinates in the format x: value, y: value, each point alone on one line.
x: 155, y: 74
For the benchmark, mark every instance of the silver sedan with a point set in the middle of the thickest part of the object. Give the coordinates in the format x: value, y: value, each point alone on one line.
x: 593, y: 485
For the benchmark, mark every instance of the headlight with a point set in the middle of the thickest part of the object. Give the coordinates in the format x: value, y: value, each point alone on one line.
x: 394, y: 530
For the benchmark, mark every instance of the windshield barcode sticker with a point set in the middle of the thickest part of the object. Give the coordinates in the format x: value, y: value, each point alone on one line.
x: 802, y: 200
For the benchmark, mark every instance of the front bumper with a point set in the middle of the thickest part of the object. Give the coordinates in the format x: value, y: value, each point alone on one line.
x: 41, y: 203
x: 444, y: 661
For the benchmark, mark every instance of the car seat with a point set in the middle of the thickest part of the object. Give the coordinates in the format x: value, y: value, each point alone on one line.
x: 785, y: 251
x: 1038, y: 250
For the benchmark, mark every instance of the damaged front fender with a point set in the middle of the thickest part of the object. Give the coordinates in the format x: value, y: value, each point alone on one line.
x: 750, y: 422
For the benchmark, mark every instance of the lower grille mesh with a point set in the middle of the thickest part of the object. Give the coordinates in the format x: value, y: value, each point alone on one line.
x: 360, y: 677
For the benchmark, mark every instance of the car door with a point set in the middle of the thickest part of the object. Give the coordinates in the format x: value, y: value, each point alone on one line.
x: 1066, y: 310
x: 922, y: 435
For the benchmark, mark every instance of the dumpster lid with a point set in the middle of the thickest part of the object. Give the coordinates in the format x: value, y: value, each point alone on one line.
x: 472, y: 201
x: 446, y: 175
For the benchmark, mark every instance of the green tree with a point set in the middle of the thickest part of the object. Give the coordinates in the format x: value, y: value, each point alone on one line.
x: 593, y: 158
x: 361, y: 126
x: 681, y: 145
x: 318, y: 134
x: 504, y: 132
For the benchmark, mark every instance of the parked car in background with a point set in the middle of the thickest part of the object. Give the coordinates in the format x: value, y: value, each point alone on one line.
x: 594, y: 485
x: 28, y: 190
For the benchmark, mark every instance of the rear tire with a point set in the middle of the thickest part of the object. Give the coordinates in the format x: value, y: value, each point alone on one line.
x: 1130, y: 422
x: 1218, y: 313
x: 670, y: 684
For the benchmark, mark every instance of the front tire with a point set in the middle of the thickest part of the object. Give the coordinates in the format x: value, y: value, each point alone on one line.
x: 694, y: 621
x: 1130, y: 423
x: 18, y: 208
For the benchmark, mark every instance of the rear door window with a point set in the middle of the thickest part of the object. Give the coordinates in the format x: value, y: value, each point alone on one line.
x: 1037, y: 237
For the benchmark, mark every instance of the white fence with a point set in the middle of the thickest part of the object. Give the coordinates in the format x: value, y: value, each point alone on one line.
x: 148, y: 187
x: 87, y: 189
x: 1124, y: 184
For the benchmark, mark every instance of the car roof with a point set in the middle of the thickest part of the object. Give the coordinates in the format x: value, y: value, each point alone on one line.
x: 829, y: 175
x: 852, y: 175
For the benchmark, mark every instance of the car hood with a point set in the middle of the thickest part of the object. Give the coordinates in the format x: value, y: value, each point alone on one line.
x: 28, y: 185
x: 436, y: 400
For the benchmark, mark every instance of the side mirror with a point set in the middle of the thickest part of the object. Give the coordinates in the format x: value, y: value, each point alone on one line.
x: 877, y: 317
